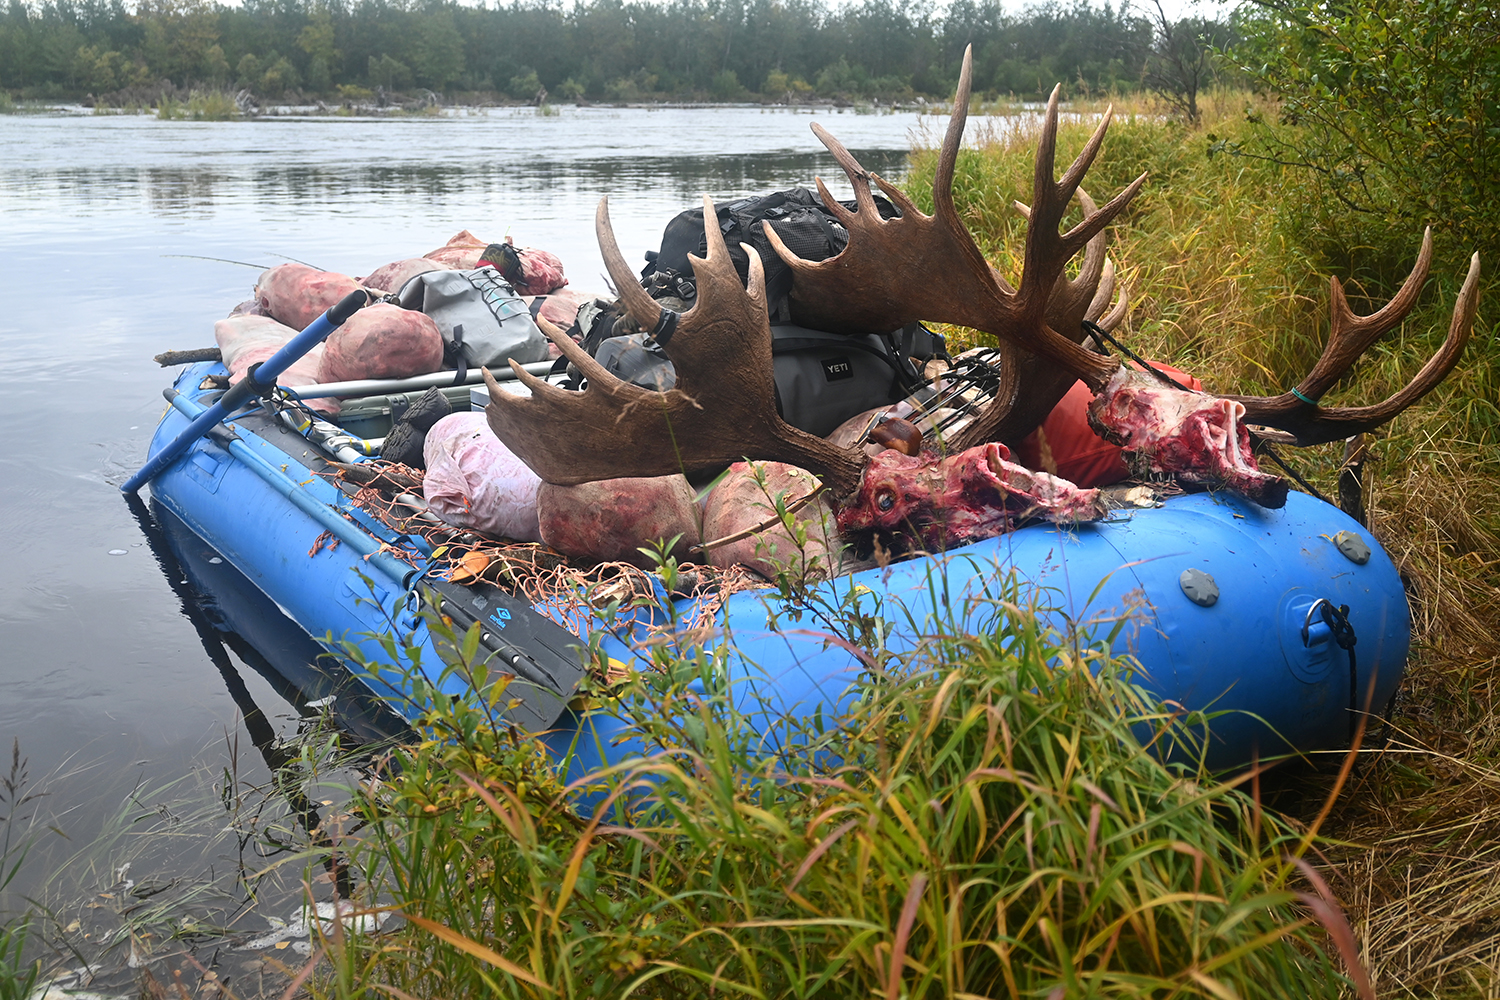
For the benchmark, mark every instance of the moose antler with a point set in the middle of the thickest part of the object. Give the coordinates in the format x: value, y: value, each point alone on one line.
x: 927, y: 267
x: 1297, y: 412
x: 721, y: 348
x: 1040, y: 384
x: 917, y: 266
x: 1205, y: 438
x: 722, y: 410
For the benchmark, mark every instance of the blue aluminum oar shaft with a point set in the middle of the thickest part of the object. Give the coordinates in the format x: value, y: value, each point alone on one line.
x: 253, y: 384
x: 346, y: 532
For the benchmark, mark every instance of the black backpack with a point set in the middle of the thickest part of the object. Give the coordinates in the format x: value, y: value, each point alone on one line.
x: 806, y: 227
x: 821, y: 378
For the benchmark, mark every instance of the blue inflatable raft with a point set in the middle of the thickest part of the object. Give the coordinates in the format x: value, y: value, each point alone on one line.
x: 1221, y: 601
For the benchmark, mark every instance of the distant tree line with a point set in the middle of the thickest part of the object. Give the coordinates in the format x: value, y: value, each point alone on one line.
x: 599, y: 49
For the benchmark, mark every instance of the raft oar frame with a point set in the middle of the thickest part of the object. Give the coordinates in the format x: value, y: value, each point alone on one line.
x: 258, y: 380
x: 329, y: 518
x: 359, y: 388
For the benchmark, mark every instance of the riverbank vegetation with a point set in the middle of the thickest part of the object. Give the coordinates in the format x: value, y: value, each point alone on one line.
x: 602, y: 50
x: 1226, y: 254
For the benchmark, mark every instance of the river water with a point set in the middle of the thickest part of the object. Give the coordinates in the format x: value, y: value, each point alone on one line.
x: 107, y: 686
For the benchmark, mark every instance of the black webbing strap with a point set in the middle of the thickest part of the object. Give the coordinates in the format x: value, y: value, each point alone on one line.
x: 1265, y: 448
x: 666, y: 325
x: 1104, y: 336
x: 460, y: 356
x: 1337, y: 620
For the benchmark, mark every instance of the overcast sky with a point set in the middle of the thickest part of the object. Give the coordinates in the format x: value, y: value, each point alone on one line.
x: 1174, y: 8
x: 1182, y: 8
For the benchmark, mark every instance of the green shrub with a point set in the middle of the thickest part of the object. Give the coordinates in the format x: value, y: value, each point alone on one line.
x: 279, y: 77
x: 211, y: 106
x: 1395, y: 106
x: 726, y: 86
x: 634, y: 87
x: 525, y: 86
x: 249, y: 70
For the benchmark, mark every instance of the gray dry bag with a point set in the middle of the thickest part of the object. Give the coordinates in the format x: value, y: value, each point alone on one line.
x: 493, y: 321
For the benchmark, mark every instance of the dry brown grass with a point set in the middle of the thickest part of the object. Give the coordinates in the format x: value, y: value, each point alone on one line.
x: 1419, y: 834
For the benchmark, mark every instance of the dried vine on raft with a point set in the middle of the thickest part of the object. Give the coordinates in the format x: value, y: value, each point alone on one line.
x: 568, y: 594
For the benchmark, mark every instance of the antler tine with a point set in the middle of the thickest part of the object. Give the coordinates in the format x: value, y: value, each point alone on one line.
x: 1311, y: 424
x: 1094, y: 257
x: 1085, y: 158
x: 859, y: 178
x: 715, y: 262
x: 1074, y: 300
x: 1048, y: 250
x: 958, y: 118
x: 638, y: 305
x: 927, y: 267
x: 590, y: 368
x: 722, y: 409
x: 1350, y: 335
x: 1103, y: 293
x: 1044, y: 200
x: 1117, y: 312
x: 942, y: 180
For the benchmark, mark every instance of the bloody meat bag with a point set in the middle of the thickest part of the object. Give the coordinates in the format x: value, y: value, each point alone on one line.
x: 473, y: 481
x: 382, y: 341
x: 296, y: 294
x: 246, y: 338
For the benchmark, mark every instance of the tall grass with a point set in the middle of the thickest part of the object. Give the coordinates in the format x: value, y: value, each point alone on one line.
x: 1226, y: 260
x: 180, y: 877
x: 19, y: 970
x: 987, y: 819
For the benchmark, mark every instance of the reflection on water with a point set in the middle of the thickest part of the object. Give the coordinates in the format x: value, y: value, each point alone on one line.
x: 177, y: 191
x: 171, y: 191
x: 107, y: 664
x: 93, y: 162
x: 228, y: 614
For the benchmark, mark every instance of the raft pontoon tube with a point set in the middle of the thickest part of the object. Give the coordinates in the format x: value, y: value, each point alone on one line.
x: 1222, y: 601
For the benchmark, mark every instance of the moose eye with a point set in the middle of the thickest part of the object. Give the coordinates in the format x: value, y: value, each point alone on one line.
x: 885, y: 501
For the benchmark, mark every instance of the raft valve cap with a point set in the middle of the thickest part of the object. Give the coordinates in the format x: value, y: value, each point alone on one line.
x: 1353, y: 547
x: 1199, y: 587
